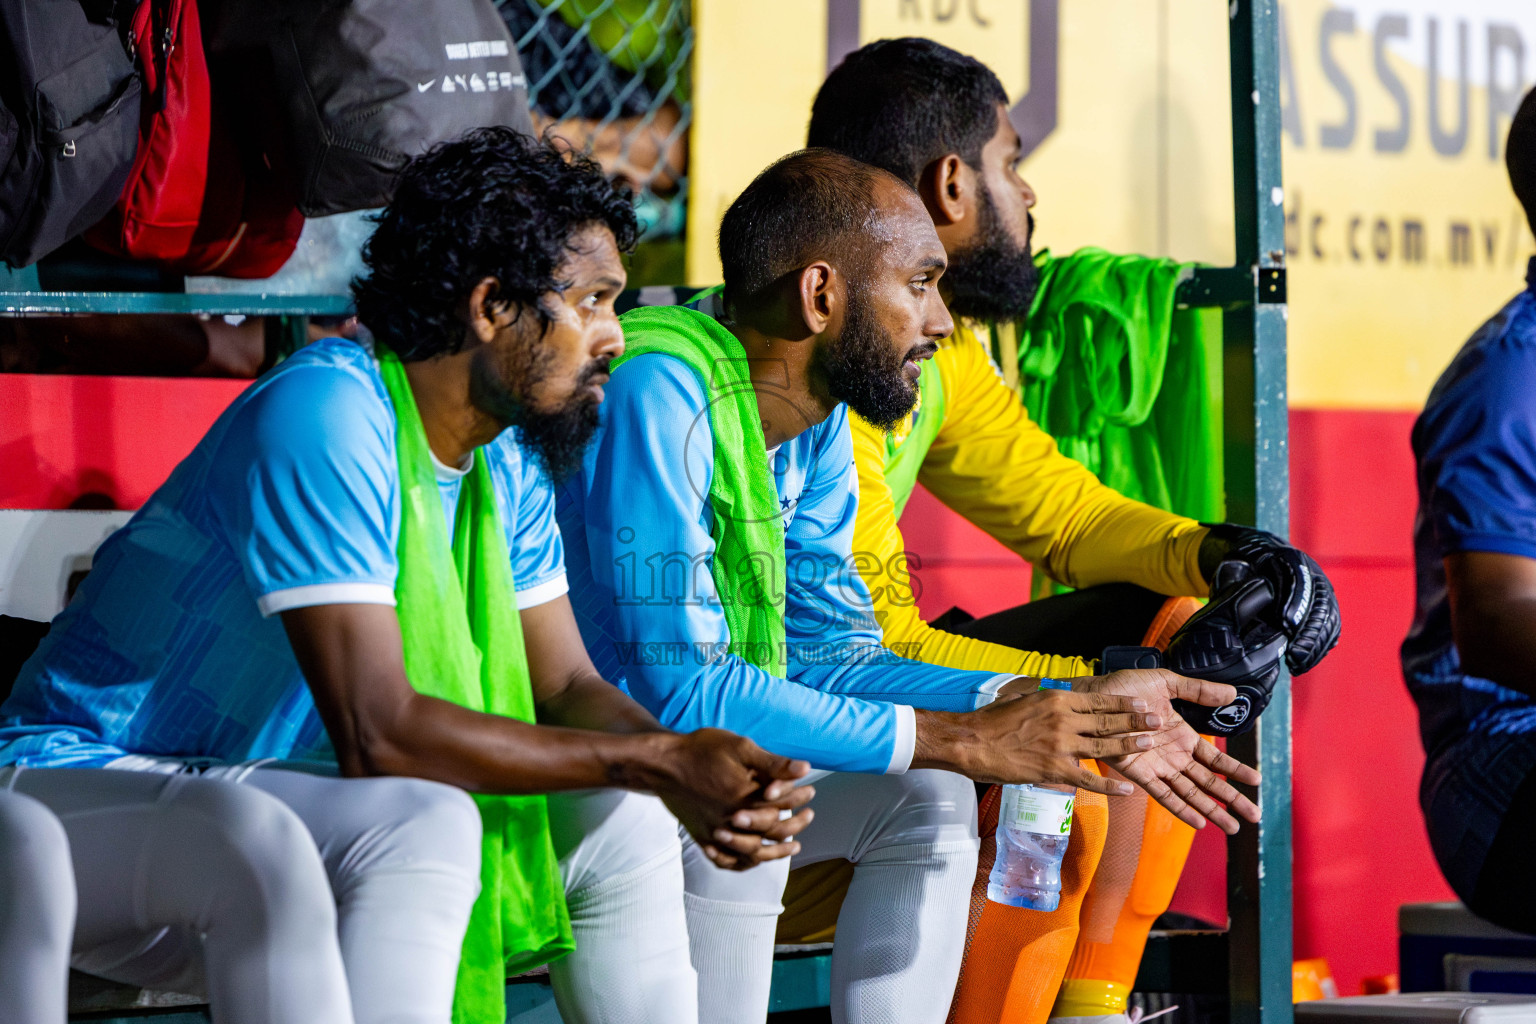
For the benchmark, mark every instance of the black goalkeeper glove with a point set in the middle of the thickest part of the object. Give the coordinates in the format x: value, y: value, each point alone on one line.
x: 1304, y: 607
x: 1231, y: 640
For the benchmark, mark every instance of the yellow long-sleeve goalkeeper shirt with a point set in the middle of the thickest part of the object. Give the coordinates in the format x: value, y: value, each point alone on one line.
x: 987, y: 460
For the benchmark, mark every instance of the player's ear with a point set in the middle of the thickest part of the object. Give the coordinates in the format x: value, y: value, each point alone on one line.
x: 485, y: 313
x: 820, y: 290
x: 948, y: 188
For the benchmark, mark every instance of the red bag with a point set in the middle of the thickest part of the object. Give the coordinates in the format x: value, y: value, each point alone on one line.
x: 204, y: 196
x: 250, y: 222
x: 157, y: 213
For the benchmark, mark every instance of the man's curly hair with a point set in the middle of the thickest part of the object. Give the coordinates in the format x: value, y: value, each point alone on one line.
x: 492, y: 203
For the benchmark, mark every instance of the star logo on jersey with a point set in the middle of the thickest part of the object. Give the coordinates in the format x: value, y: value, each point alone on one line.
x: 773, y: 382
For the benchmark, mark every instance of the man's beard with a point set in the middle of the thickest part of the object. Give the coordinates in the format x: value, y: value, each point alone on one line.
x: 557, y: 437
x: 861, y: 370
x: 993, y: 278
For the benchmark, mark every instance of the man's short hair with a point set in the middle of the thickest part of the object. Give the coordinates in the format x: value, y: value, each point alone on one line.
x: 1520, y: 156
x: 492, y: 203
x: 901, y: 104
x: 811, y: 205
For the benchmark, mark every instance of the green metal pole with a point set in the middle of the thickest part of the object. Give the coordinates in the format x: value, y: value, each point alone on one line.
x: 1259, y: 859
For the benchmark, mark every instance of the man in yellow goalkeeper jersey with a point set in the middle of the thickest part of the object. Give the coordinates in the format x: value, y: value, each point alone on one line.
x: 938, y: 119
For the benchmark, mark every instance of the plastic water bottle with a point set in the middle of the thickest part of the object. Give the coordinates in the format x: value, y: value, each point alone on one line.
x: 1034, y: 825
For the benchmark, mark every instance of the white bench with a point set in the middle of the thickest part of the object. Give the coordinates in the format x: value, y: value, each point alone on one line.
x: 41, y: 551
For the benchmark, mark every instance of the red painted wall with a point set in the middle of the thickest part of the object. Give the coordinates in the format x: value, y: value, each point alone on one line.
x: 1360, y: 844
x: 62, y: 437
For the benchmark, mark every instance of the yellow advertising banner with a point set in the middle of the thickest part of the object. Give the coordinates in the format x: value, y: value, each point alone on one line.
x: 1402, y: 233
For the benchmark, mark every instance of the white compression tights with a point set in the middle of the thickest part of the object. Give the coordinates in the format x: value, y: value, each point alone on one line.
x: 337, y: 891
x: 624, y: 887
x: 270, y: 896
x: 37, y: 912
x: 901, y: 932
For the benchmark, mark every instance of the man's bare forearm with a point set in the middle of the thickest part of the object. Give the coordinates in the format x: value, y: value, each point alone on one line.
x: 1493, y: 616
x: 439, y: 740
x: 380, y: 725
x: 591, y: 702
x: 1497, y: 640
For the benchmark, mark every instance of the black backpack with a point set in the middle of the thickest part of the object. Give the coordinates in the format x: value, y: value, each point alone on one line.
x: 365, y: 85
x: 69, y: 122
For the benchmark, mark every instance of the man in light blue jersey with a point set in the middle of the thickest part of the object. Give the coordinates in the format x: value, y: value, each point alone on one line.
x: 257, y: 719
x: 710, y: 555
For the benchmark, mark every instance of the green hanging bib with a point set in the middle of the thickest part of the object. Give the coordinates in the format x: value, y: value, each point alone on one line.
x: 463, y: 642
x: 906, y: 450
x: 1127, y: 383
x: 748, y: 567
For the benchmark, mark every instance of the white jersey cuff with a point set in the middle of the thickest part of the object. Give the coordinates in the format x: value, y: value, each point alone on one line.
x: 906, y: 740
x: 324, y: 593
x: 987, y: 692
x: 542, y: 593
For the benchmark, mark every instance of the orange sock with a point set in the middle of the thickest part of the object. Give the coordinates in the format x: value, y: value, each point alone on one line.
x: 1015, y: 957
x: 1143, y: 858
x: 1140, y: 869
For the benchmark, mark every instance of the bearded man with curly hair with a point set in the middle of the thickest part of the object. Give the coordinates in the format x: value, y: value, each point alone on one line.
x: 345, y: 609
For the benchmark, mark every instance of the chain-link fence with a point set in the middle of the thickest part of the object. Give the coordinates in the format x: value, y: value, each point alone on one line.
x: 612, y: 77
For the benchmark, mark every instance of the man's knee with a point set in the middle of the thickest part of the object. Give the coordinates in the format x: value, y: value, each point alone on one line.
x: 421, y: 821
x: 927, y: 806
x: 224, y: 821
x: 655, y: 829
x: 252, y: 848
x: 220, y: 819
x: 35, y: 868
x: 31, y: 837
x: 600, y: 834
x: 707, y: 884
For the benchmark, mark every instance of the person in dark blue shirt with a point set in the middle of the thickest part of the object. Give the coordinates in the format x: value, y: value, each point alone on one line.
x: 1470, y: 656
